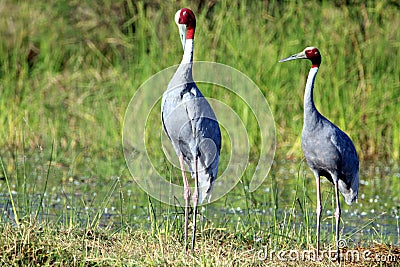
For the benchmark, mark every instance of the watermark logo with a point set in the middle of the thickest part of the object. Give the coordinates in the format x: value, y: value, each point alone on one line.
x: 342, y: 243
x: 142, y: 131
x: 345, y: 255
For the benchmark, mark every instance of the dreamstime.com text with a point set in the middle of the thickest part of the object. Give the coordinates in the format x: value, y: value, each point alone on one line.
x: 311, y: 255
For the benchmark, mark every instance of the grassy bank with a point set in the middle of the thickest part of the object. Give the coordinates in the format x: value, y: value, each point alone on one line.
x: 69, y: 69
x: 40, y: 244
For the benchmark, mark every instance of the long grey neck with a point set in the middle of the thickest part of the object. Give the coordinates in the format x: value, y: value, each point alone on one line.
x: 311, y: 114
x: 183, y: 74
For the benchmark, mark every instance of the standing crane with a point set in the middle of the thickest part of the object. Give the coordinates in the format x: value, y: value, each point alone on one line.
x: 191, y: 125
x: 328, y: 150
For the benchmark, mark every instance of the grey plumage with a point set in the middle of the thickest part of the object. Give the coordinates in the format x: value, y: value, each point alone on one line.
x: 328, y: 150
x: 190, y: 124
x: 192, y: 127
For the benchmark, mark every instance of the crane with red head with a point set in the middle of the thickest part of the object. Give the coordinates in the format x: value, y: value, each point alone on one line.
x: 191, y: 125
x: 328, y: 150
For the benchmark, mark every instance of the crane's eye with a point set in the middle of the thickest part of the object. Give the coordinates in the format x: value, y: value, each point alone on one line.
x: 183, y: 17
x: 312, y: 53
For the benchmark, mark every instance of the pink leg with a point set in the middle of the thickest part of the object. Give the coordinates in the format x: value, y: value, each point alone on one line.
x: 186, y: 195
x: 337, y: 217
x: 195, y: 201
x: 319, y: 209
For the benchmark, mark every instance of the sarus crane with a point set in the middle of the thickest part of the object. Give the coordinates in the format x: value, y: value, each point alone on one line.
x: 328, y: 150
x: 191, y: 125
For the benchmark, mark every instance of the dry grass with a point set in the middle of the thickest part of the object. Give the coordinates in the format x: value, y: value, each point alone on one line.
x: 46, y: 245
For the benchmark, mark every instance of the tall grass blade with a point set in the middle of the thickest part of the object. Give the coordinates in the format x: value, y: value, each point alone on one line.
x: 14, y: 207
x: 42, y: 195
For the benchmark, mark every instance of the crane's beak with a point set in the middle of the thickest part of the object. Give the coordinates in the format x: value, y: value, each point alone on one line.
x: 300, y: 55
x: 182, y: 29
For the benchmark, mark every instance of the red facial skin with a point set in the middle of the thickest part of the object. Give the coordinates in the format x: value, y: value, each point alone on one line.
x: 188, y: 18
x: 314, y: 56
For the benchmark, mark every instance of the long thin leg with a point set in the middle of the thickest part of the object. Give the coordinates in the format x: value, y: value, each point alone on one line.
x: 186, y: 195
x: 337, y: 217
x: 319, y: 209
x: 195, y: 201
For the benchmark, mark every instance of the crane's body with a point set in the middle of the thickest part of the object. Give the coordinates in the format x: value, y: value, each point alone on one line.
x: 191, y: 125
x: 328, y: 150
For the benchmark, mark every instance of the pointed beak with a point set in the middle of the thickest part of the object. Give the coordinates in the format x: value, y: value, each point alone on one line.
x: 182, y: 29
x: 300, y: 55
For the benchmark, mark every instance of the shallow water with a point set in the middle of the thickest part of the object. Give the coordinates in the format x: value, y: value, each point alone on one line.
x: 287, y: 190
x: 375, y: 216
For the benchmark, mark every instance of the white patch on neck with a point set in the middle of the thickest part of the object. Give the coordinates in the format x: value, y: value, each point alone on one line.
x: 188, y: 52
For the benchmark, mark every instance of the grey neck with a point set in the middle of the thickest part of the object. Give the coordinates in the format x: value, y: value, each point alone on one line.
x: 183, y: 74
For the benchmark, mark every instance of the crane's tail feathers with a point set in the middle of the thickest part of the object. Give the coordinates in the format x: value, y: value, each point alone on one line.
x: 207, y: 176
x: 350, y: 194
x: 206, y: 184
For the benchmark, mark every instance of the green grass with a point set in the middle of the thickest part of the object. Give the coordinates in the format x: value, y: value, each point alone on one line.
x: 68, y: 70
x: 73, y: 246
